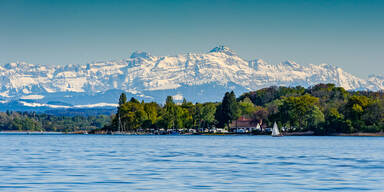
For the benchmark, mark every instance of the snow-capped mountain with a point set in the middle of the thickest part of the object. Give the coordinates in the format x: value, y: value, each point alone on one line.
x: 195, y: 76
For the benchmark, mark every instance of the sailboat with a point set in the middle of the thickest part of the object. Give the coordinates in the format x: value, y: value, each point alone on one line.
x: 275, y: 131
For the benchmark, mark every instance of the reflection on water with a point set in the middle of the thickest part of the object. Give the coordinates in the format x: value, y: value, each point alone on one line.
x: 190, y: 163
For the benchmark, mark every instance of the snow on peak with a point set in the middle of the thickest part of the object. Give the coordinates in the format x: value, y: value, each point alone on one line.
x: 376, y: 76
x: 256, y: 63
x: 191, y: 76
x: 140, y: 54
x: 13, y: 65
x: 222, y: 49
x: 328, y: 66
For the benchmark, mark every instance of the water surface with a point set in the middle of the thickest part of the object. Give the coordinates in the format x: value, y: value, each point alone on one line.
x: 190, y: 163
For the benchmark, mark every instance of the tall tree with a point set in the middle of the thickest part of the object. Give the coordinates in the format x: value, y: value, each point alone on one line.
x: 229, y: 108
x: 152, y: 110
x: 122, y: 99
x: 208, y: 115
x: 117, y: 124
x: 169, y: 113
x: 188, y: 110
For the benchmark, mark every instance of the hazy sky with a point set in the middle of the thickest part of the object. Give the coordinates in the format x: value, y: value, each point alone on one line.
x: 348, y: 34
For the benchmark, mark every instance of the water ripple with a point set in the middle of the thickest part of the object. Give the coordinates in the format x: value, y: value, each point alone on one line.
x: 190, y: 163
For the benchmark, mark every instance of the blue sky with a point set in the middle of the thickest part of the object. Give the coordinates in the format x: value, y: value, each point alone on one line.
x: 348, y: 34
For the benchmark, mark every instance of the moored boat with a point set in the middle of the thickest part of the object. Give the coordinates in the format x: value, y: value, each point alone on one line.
x: 275, y: 131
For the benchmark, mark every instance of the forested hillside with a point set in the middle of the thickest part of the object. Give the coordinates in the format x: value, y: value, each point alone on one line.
x: 323, y: 108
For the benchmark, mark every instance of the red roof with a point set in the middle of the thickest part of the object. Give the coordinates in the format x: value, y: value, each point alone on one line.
x: 242, y: 122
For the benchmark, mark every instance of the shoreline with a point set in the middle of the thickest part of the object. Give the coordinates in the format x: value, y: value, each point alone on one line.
x: 359, y: 134
x: 380, y: 134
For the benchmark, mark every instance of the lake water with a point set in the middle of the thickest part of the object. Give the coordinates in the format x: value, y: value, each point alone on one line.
x: 190, y: 163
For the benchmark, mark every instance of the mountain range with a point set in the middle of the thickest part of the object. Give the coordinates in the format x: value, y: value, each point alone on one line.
x: 198, y: 77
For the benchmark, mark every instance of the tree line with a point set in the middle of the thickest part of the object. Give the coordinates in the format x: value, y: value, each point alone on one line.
x: 32, y: 121
x: 324, y: 109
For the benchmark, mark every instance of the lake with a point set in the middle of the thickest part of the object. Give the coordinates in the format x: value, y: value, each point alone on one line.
x: 190, y: 163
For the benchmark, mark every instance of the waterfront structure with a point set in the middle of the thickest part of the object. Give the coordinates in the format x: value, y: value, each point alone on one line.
x: 244, y: 125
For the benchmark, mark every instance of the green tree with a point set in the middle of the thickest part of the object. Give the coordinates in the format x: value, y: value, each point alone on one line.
x: 207, y: 115
x: 373, y: 116
x: 169, y: 115
x: 246, y: 107
x: 229, y: 108
x: 152, y: 109
x: 188, y: 110
x: 355, y: 108
x: 116, y: 122
x: 315, y: 118
x: 122, y: 99
x: 294, y: 110
x: 132, y: 115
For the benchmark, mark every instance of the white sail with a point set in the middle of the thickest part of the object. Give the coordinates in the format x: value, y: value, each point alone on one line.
x: 275, y: 130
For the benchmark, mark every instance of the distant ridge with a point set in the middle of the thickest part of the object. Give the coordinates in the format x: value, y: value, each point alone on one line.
x: 197, y: 77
